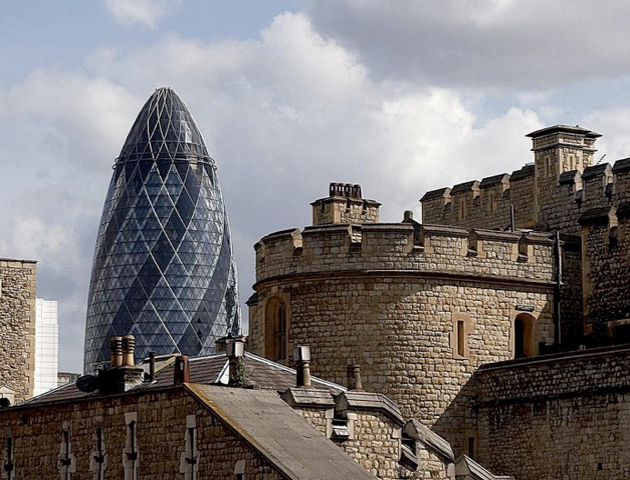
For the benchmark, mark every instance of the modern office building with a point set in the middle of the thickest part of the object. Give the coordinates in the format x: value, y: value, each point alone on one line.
x: 46, y: 345
x: 163, y: 267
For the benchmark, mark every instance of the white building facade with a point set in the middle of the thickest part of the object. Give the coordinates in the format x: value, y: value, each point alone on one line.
x: 46, y: 345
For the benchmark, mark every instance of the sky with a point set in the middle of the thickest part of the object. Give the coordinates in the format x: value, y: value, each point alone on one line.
x: 400, y: 96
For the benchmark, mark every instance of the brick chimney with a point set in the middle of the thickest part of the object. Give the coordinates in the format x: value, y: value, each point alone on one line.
x: 181, y: 373
x: 345, y: 204
x: 122, y: 374
x: 235, y: 351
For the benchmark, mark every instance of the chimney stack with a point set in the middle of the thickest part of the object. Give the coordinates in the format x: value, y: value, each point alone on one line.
x: 302, y: 357
x: 182, y: 370
x: 354, y: 377
x: 235, y: 350
x: 123, y: 374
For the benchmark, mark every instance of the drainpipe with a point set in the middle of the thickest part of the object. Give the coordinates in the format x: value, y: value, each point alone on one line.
x: 556, y: 297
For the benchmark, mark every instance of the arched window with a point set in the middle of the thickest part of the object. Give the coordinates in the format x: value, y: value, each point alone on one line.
x: 524, y: 337
x: 276, y: 326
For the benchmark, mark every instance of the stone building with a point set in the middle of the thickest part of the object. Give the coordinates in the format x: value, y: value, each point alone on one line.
x: 494, y: 322
x: 17, y: 328
x: 219, y: 417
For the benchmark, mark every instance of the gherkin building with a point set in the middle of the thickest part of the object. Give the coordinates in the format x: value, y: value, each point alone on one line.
x: 163, y: 268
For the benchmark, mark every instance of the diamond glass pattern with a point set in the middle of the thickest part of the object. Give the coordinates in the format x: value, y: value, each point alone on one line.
x: 163, y: 267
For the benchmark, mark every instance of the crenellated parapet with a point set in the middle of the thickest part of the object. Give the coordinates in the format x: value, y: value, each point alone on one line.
x: 488, y: 203
x: 405, y: 247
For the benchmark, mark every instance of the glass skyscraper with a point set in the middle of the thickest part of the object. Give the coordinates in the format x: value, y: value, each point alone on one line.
x: 163, y: 267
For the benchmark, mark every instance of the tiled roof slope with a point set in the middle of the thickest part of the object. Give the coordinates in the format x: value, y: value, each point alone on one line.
x: 279, y: 433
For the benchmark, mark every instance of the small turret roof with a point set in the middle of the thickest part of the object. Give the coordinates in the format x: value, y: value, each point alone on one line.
x: 563, y: 128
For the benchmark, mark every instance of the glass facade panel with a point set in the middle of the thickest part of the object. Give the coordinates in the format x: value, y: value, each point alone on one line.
x: 163, y: 267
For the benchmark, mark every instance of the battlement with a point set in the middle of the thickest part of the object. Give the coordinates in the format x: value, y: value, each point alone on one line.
x: 553, y: 193
x: 488, y: 203
x: 406, y: 248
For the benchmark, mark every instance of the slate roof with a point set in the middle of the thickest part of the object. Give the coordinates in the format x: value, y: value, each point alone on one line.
x: 210, y: 370
x: 279, y: 433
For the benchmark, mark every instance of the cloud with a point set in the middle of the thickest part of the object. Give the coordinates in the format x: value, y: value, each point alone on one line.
x: 60, y: 132
x: 144, y: 12
x: 283, y: 116
x: 483, y: 43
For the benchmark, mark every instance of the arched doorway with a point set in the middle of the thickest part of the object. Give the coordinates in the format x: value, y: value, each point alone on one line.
x: 525, y: 344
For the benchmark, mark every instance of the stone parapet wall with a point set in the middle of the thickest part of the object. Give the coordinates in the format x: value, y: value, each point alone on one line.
x: 401, y: 248
x: 544, y: 202
x: 17, y: 326
x: 561, y: 417
x: 484, y: 204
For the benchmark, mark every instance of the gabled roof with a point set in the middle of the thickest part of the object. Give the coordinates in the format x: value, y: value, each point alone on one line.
x: 279, y: 433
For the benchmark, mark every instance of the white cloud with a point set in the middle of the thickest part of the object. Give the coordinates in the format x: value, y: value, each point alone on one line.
x: 613, y: 125
x: 144, y: 12
x: 485, y: 43
x: 283, y: 116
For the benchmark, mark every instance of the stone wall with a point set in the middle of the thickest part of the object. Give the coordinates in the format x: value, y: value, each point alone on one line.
x: 389, y: 298
x: 606, y: 279
x: 160, y: 443
x: 571, y: 294
x: 557, y: 417
x: 375, y: 444
x: 562, y: 191
x: 17, y: 326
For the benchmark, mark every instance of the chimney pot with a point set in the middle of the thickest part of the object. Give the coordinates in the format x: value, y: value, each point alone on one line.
x: 302, y: 353
x: 354, y: 377
x: 116, y: 348
x: 235, y: 351
x: 302, y: 356
x: 235, y: 347
x: 128, y: 351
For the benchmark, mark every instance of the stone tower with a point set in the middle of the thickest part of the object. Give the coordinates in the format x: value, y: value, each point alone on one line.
x: 418, y: 307
x: 18, y: 280
x: 559, y: 151
x: 163, y: 267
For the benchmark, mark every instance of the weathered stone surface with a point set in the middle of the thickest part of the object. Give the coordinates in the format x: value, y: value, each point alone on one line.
x: 17, y: 326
